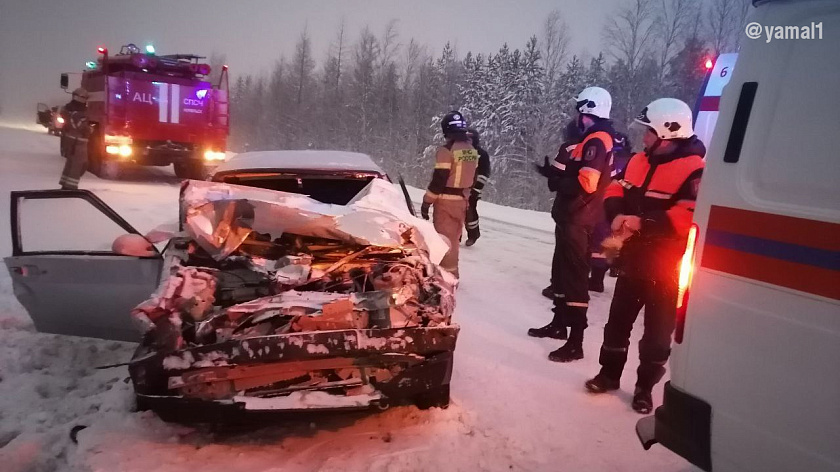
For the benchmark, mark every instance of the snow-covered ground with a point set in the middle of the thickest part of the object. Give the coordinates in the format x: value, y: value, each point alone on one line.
x: 512, y: 409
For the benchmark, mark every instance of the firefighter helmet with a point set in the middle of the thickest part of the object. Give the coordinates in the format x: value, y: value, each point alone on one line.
x: 453, y: 122
x: 80, y: 95
x: 669, y: 118
x: 594, y: 101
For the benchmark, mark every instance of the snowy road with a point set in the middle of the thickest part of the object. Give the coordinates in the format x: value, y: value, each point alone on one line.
x: 512, y: 409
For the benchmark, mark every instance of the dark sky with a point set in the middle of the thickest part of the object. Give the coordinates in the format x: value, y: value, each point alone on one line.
x: 39, y: 39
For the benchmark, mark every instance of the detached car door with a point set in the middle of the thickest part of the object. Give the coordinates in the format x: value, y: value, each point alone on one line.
x: 63, y: 269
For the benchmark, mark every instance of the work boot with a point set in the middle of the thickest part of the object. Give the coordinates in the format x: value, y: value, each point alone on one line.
x: 549, y: 331
x: 601, y: 383
x: 567, y: 353
x: 572, y: 350
x: 548, y: 292
x: 472, y: 237
x: 596, y: 280
x: 642, y: 401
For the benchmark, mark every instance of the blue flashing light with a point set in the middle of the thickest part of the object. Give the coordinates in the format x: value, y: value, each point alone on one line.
x: 200, y: 94
x: 150, y: 49
x: 90, y: 65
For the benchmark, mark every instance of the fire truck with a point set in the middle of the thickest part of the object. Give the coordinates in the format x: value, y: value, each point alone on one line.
x: 154, y: 110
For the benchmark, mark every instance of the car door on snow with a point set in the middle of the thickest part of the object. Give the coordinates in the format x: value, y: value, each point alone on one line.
x: 64, y: 271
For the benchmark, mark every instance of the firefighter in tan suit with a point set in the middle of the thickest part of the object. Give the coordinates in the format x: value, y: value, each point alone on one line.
x: 455, y: 167
x: 76, y: 132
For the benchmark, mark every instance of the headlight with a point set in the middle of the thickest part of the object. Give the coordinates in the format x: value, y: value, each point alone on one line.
x: 210, y: 155
x: 123, y: 150
x: 59, y: 120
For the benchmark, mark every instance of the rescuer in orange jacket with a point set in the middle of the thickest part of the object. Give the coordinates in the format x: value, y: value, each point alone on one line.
x: 455, y: 168
x: 580, y: 175
x: 653, y: 202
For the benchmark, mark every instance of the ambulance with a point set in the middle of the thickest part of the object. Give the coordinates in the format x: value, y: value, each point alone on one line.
x: 755, y: 368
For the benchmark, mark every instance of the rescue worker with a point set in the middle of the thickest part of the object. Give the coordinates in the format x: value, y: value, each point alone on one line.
x: 580, y: 175
x: 481, y: 178
x: 571, y: 137
x: 653, y: 201
x: 76, y: 132
x: 455, y: 168
x: 598, y: 262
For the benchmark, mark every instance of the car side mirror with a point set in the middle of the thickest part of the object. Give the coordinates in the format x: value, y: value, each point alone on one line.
x: 65, y: 81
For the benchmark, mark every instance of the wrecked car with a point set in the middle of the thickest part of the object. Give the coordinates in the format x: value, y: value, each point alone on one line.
x: 266, y: 301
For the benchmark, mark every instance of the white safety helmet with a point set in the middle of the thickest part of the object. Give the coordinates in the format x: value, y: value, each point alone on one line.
x: 133, y: 245
x: 594, y: 101
x: 669, y: 118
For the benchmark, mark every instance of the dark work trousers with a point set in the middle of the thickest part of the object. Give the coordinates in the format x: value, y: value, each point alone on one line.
x: 570, y: 275
x: 76, y: 163
x: 659, y: 300
x: 599, y: 234
x: 471, y: 223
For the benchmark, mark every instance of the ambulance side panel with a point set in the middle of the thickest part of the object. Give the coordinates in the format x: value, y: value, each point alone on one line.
x: 762, y: 333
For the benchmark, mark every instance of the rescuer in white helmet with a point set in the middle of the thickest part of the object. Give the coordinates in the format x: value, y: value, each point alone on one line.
x: 580, y: 175
x: 651, y: 203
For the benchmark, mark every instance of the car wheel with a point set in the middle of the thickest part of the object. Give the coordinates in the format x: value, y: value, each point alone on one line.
x: 435, y: 398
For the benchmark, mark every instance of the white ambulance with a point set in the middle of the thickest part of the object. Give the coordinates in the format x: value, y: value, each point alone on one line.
x: 755, y: 369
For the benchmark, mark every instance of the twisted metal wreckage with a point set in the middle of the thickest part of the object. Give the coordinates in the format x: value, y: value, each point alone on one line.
x: 277, y: 302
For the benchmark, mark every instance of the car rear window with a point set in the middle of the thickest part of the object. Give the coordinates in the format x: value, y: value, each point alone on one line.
x: 337, y: 190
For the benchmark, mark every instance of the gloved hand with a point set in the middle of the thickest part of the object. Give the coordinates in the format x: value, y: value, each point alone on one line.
x: 626, y: 223
x: 543, y: 169
x: 424, y: 210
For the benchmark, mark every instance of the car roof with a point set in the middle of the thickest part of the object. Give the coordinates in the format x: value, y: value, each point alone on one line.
x: 300, y: 160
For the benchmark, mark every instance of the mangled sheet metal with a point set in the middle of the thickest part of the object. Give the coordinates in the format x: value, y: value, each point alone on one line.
x: 220, y: 216
x: 283, y: 303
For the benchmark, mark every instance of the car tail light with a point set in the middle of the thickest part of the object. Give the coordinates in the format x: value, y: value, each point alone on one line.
x: 686, y: 274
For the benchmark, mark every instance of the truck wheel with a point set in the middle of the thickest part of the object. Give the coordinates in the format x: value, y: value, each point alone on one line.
x: 190, y: 170
x: 94, y: 165
x: 110, y: 170
x: 435, y: 398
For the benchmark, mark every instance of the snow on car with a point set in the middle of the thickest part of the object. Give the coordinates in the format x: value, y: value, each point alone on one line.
x: 267, y: 300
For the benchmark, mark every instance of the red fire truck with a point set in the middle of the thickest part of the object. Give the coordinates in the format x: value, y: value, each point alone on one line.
x: 155, y: 110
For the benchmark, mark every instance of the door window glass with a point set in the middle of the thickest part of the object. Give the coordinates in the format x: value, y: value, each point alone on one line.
x: 66, y: 225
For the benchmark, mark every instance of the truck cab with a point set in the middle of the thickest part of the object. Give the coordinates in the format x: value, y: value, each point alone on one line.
x: 155, y: 110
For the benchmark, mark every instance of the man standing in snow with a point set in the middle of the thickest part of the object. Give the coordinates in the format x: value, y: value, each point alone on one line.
x: 455, y: 167
x: 653, y: 202
x: 481, y: 178
x: 76, y: 131
x: 580, y: 174
x: 571, y: 138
